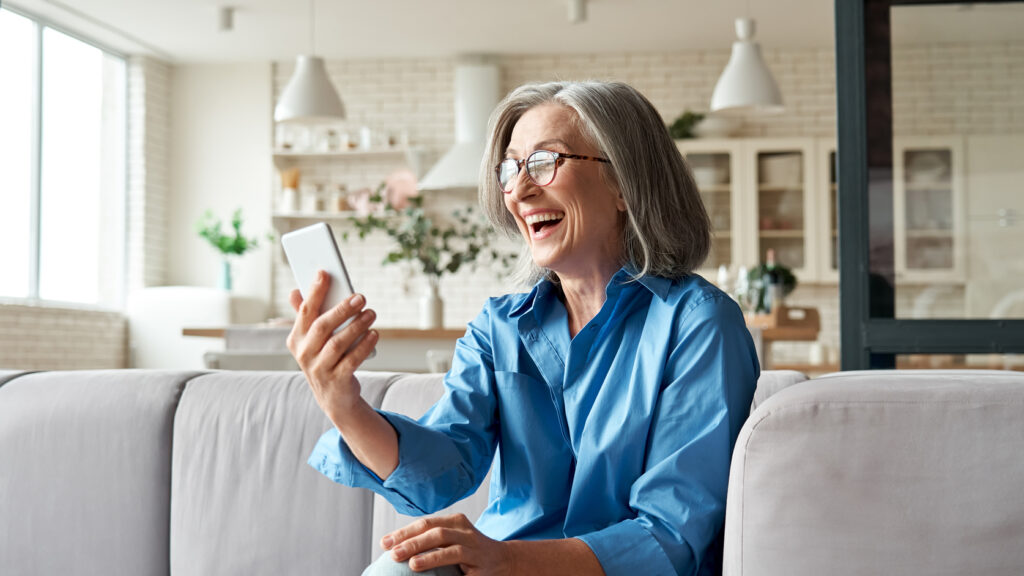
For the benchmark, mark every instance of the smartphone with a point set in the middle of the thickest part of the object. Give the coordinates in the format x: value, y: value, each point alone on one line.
x: 314, y: 248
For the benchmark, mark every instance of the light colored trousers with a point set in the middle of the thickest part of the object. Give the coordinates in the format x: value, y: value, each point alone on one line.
x: 385, y: 566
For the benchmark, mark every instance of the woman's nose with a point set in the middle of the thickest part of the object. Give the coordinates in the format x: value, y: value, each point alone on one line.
x: 523, y: 187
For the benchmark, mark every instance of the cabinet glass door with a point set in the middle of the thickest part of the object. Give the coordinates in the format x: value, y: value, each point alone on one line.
x: 781, y: 203
x: 712, y: 171
x: 928, y: 209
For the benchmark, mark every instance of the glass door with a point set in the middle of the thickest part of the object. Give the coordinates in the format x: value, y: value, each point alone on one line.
x: 931, y: 160
x: 715, y: 167
x: 782, y: 179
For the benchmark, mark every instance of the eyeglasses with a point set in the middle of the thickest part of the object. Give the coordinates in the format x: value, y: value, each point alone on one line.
x: 541, y: 166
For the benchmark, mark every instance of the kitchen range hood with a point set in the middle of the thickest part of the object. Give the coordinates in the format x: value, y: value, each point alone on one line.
x: 477, y: 92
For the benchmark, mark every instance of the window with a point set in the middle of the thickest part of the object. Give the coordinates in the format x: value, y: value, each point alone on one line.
x: 62, y: 157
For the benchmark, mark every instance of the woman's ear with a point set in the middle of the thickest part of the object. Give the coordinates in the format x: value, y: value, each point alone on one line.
x: 620, y: 202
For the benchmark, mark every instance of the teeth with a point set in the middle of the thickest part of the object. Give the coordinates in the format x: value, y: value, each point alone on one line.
x: 534, y: 218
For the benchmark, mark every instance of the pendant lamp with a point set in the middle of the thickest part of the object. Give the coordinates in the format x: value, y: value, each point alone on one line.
x: 746, y: 84
x: 309, y: 97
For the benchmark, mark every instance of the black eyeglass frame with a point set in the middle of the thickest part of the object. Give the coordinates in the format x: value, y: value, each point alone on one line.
x: 560, y: 158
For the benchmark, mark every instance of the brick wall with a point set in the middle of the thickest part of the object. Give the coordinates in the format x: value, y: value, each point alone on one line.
x: 50, y: 338
x: 148, y: 132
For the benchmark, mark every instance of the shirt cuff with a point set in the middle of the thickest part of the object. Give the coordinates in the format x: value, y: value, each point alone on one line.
x: 424, y: 457
x: 627, y: 549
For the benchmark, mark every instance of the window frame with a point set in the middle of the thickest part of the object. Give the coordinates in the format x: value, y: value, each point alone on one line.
x: 869, y: 341
x: 40, y: 24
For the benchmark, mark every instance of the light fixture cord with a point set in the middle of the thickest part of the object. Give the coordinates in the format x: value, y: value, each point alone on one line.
x: 312, y: 27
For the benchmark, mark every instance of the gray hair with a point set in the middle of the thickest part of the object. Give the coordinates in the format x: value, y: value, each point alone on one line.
x: 667, y: 232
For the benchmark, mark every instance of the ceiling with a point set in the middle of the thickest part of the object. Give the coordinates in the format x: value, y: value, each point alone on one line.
x: 187, y: 30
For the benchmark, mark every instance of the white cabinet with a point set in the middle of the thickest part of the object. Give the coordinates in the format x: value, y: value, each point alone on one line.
x: 929, y: 231
x: 760, y: 195
x: 716, y: 166
x: 782, y: 193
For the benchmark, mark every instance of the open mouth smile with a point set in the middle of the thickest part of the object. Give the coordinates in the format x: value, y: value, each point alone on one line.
x: 542, y: 224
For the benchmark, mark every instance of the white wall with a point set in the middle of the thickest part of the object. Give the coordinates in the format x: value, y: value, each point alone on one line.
x: 220, y: 148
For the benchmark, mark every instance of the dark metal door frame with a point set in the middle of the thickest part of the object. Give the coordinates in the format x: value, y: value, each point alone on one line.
x: 870, y: 335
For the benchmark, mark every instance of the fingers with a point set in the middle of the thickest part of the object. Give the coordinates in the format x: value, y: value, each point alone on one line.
x: 323, y: 328
x: 429, y: 546
x: 295, y: 299
x: 309, y: 310
x: 448, y: 556
x: 423, y: 525
x: 357, y: 354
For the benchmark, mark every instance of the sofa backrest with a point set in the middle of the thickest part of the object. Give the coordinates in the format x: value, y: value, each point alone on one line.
x: 897, y: 472
x: 243, y: 499
x: 85, y: 468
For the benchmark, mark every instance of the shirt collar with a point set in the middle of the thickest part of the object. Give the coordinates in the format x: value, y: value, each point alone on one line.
x: 544, y: 289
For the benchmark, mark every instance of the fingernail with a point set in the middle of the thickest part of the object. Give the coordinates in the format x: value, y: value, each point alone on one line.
x: 415, y: 563
x: 397, y: 553
x: 356, y: 300
x: 386, y: 542
x: 321, y: 276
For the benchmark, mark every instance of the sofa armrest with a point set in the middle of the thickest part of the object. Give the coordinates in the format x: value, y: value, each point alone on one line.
x: 898, y: 472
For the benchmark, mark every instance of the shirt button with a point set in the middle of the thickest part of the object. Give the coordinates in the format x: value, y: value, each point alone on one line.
x: 533, y: 336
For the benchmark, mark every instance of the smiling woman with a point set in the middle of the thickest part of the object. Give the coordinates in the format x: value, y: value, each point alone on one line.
x: 617, y: 379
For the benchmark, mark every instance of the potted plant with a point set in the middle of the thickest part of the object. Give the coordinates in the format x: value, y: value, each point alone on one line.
x: 229, y: 244
x: 435, y: 247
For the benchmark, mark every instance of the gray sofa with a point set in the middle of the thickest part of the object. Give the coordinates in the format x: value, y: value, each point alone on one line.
x: 141, y: 472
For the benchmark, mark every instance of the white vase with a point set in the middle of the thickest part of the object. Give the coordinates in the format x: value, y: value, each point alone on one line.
x: 431, y: 306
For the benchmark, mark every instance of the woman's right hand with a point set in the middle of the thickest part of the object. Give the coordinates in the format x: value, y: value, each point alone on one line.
x: 323, y: 356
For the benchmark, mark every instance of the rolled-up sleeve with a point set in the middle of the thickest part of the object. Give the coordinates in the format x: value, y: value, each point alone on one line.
x: 679, y: 500
x: 444, y: 455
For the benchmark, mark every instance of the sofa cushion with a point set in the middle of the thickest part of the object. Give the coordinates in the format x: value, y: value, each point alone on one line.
x: 243, y: 499
x: 895, y: 472
x: 772, y: 381
x: 85, y: 467
x: 412, y: 395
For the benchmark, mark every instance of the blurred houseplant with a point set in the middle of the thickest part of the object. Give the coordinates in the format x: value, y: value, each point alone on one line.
x: 760, y: 279
x: 435, y: 247
x: 233, y: 243
x: 682, y: 127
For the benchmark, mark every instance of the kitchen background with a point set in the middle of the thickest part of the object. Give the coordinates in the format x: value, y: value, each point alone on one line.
x: 202, y: 138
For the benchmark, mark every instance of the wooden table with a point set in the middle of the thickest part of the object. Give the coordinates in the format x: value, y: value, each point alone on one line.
x: 785, y: 324
x: 398, y: 350
x: 391, y: 333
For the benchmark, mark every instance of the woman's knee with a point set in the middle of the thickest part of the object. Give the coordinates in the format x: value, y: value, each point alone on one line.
x: 385, y: 566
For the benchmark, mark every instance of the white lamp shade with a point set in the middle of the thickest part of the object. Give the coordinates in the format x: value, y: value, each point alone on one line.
x: 309, y: 97
x: 746, y: 83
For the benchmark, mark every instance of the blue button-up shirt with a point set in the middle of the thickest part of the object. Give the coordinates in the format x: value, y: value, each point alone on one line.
x: 620, y: 436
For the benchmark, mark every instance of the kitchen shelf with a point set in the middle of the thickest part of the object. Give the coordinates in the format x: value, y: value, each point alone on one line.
x: 333, y: 216
x: 716, y: 189
x: 938, y: 234
x: 774, y: 187
x: 355, y: 153
x: 410, y: 155
x: 781, y: 233
x: 937, y: 186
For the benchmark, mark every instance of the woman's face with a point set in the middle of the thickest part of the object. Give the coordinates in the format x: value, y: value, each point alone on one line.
x: 573, y: 225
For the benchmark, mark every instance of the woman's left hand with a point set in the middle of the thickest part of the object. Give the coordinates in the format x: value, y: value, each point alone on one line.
x: 448, y: 540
